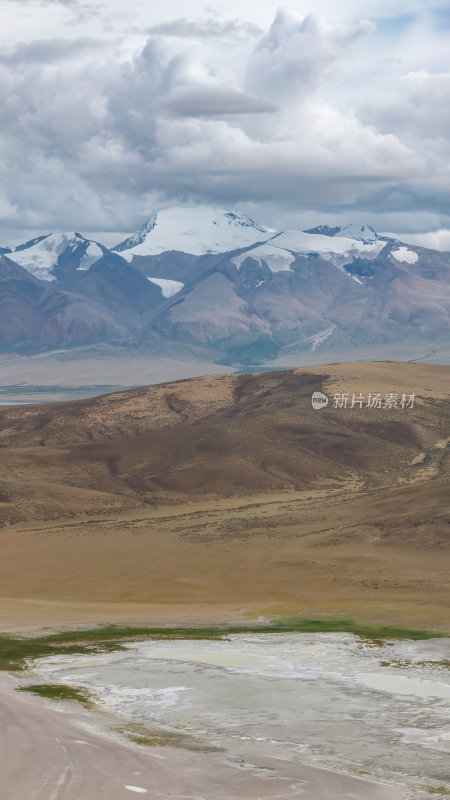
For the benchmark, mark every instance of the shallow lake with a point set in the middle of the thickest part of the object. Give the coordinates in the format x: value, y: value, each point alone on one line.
x: 380, y: 710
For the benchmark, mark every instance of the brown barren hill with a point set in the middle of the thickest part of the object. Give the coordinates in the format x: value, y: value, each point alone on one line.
x: 228, y: 495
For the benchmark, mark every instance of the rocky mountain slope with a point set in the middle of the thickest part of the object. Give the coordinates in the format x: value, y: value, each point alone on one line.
x: 214, y: 279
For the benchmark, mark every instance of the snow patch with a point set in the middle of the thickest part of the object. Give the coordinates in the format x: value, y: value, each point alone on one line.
x: 405, y: 255
x: 277, y: 260
x: 137, y: 789
x: 337, y: 249
x: 168, y: 287
x: 92, y: 254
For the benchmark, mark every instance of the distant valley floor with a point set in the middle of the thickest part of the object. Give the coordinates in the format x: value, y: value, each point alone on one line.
x: 68, y: 374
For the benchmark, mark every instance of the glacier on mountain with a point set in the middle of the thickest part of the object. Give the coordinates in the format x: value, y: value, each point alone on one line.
x: 339, y: 250
x: 196, y: 230
x: 277, y: 260
x: 92, y: 254
x: 405, y: 255
x: 168, y: 287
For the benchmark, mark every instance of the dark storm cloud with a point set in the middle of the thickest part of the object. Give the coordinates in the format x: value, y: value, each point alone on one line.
x: 208, y: 101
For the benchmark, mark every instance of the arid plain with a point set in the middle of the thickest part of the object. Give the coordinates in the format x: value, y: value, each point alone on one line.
x: 230, y: 498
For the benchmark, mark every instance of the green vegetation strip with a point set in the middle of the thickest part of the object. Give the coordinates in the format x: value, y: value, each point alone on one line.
x: 15, y: 652
x: 59, y: 691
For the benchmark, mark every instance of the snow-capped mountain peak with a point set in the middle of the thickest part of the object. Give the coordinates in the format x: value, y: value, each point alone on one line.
x: 139, y: 237
x: 42, y: 255
x: 193, y: 229
x: 323, y: 230
x: 363, y: 233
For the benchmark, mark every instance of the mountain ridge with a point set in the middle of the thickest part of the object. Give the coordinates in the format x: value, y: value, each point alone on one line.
x: 249, y: 293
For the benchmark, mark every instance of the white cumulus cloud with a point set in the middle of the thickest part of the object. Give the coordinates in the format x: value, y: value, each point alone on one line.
x: 97, y: 125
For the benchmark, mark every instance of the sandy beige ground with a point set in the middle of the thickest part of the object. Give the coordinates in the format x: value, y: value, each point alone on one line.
x: 50, y: 754
x: 306, y: 556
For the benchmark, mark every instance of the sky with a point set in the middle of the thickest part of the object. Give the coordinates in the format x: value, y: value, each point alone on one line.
x: 297, y: 114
